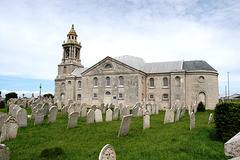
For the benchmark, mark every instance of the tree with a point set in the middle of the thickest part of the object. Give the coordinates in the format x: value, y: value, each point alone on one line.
x: 48, y: 95
x: 11, y: 95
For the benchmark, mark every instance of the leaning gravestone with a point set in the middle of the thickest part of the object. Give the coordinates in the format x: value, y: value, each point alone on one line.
x: 39, y: 117
x: 108, y: 115
x: 34, y: 110
x: 107, y: 153
x: 4, y: 152
x: 125, y: 125
x: 9, y: 129
x: 115, y: 114
x: 171, y: 116
x: 73, y: 119
x: 52, y: 114
x: 167, y: 116
x: 45, y: 109
x: 183, y: 112
x: 90, y: 116
x: 146, y: 120
x: 11, y: 106
x: 64, y: 110
x: 71, y: 109
x: 15, y: 109
x: 192, y: 121
x: 84, y: 110
x: 178, y: 115
x: 140, y: 112
x: 22, y: 118
x: 124, y: 112
x: 3, y: 118
x: 135, y: 111
x: 231, y: 147
x: 210, y: 118
x: 98, y: 115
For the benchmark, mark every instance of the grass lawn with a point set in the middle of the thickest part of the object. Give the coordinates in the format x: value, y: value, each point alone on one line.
x: 160, y: 142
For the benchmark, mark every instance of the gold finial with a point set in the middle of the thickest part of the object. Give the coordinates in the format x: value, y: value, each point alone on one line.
x: 72, y: 31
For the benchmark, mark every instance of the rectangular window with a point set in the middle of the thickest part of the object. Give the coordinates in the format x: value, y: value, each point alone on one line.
x: 165, y: 97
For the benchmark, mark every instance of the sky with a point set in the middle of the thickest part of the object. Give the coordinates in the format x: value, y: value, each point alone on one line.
x: 32, y: 33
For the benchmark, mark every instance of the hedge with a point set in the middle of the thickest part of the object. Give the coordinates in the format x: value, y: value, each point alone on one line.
x: 227, y: 120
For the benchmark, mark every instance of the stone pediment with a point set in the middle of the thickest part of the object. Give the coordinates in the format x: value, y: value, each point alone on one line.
x: 110, y: 66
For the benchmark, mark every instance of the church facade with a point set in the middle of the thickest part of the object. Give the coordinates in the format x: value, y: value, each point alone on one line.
x: 128, y: 80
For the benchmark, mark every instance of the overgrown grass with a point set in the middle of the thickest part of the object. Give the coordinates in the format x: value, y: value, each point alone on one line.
x: 170, y: 141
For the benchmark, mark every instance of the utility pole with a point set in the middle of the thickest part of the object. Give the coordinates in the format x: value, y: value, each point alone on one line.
x: 40, y: 91
x: 228, y: 86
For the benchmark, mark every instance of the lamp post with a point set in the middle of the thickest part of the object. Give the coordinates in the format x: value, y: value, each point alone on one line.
x: 40, y: 91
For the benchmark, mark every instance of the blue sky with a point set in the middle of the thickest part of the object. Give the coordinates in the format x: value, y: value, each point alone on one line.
x: 32, y: 32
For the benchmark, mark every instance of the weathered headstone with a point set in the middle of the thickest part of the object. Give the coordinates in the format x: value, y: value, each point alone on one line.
x: 231, y: 147
x: 178, y: 115
x: 52, y: 114
x: 154, y: 108
x: 64, y: 110
x: 183, y: 112
x: 39, y: 117
x: 45, y: 109
x: 135, y: 111
x: 22, y: 118
x: 34, y: 110
x: 167, y: 116
x: 120, y: 106
x: 69, y: 102
x: 105, y: 108
x: 108, y: 115
x: 102, y: 107
x: 149, y: 107
x: 71, y: 109
x: 11, y: 106
x: 107, y: 153
x: 9, y: 129
x: 192, y: 121
x: 78, y: 108
x: 146, y: 120
x: 123, y: 112
x: 94, y: 107
x: 84, y: 110
x: 125, y: 125
x: 3, y: 118
x: 4, y: 152
x: 15, y: 109
x: 157, y: 109
x: 98, y: 115
x: 115, y: 114
x: 59, y: 104
x: 90, y: 116
x: 210, y: 118
x: 172, y: 114
x: 140, y: 112
x: 73, y: 119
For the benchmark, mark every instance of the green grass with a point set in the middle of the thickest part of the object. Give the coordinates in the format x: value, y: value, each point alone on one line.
x: 160, y: 142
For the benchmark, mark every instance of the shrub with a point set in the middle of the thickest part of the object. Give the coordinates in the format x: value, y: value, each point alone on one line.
x: 227, y: 120
x: 10, y: 95
x: 52, y: 153
x: 48, y: 95
x: 2, y: 104
x: 201, y: 107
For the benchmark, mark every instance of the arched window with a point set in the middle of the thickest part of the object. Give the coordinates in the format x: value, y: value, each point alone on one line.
x: 151, y: 82
x: 95, y: 81
x: 165, y: 81
x: 79, y: 96
x: 108, y: 93
x: 177, y: 79
x: 64, y: 69
x: 79, y: 84
x: 108, y: 81
x: 121, y: 82
x: 108, y: 66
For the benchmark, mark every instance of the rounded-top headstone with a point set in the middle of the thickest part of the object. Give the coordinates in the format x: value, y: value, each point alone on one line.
x: 107, y: 153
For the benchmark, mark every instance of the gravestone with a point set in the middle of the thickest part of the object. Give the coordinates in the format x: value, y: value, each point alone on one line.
x: 125, y: 125
x: 183, y: 112
x: 84, y: 110
x: 22, y: 118
x: 171, y: 115
x: 3, y: 118
x: 11, y: 106
x: 98, y: 115
x: 120, y: 106
x: 64, y: 111
x: 94, y: 107
x: 107, y: 153
x: 178, y: 115
x: 69, y: 102
x: 192, y: 121
x: 15, y: 109
x: 108, y: 115
x: 90, y: 116
x: 231, y: 147
x: 105, y: 108
x: 115, y: 114
x: 59, y: 104
x: 45, y: 109
x: 52, y: 114
x: 4, y: 152
x: 34, y: 104
x: 140, y: 112
x: 146, y: 120
x: 71, y: 109
x: 78, y: 108
x: 9, y: 129
x: 123, y: 112
x: 34, y: 110
x: 135, y: 111
x: 102, y: 107
x: 154, y: 109
x: 149, y: 107
x: 210, y: 118
x: 73, y: 119
x: 167, y: 116
x: 39, y: 117
x: 157, y: 109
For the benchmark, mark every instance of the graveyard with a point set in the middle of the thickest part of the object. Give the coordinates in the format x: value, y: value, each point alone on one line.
x: 85, y: 141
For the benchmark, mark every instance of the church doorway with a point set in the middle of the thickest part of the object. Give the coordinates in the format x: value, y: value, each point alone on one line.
x: 107, y: 98
x: 201, y: 98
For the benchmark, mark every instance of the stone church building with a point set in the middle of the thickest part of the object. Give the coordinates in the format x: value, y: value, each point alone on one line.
x: 128, y: 79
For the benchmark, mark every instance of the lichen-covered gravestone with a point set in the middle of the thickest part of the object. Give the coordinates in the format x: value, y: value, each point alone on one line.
x: 39, y: 117
x: 171, y: 115
x: 22, y: 118
x: 192, y: 121
x: 125, y: 125
x: 135, y: 111
x: 146, y: 120
x: 9, y: 129
x: 94, y: 107
x: 71, y: 109
x: 167, y: 115
x: 90, y: 116
x: 34, y: 110
x: 232, y: 146
x: 115, y: 114
x: 52, y: 114
x: 140, y: 112
x: 123, y: 112
x: 183, y: 112
x: 4, y: 152
x: 178, y: 115
x: 84, y: 110
x: 108, y: 115
x: 107, y: 153
x: 78, y: 108
x: 64, y: 110
x: 98, y: 115
x: 45, y: 109
x: 73, y: 119
x: 3, y: 118
x: 149, y: 107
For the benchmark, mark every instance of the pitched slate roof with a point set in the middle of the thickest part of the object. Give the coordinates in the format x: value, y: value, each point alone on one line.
x: 78, y: 71
x: 197, y: 65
